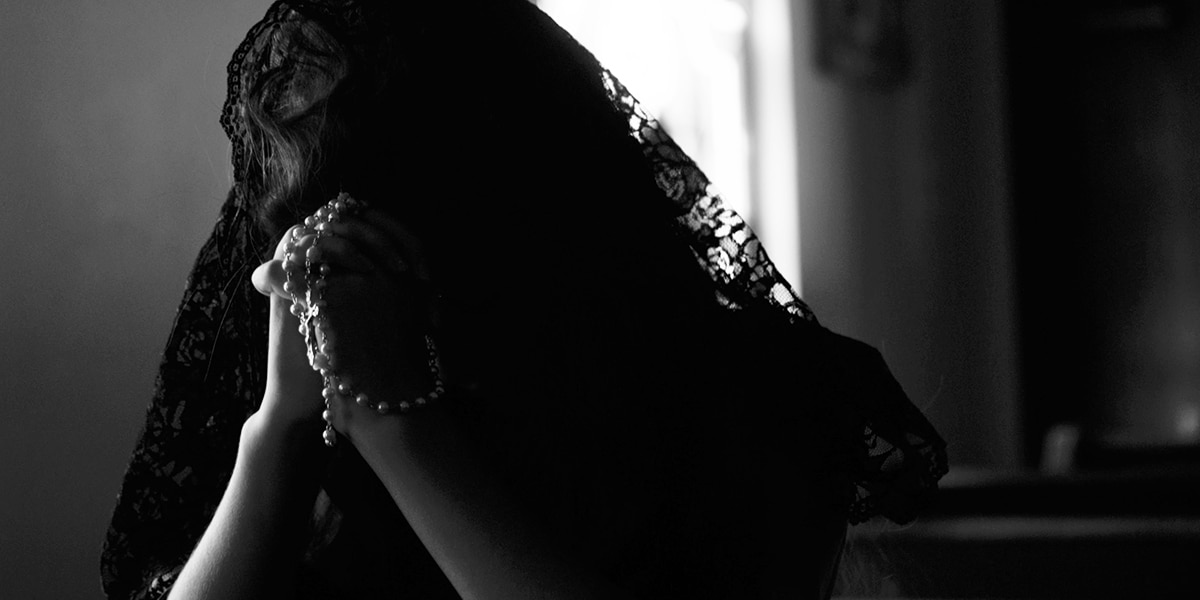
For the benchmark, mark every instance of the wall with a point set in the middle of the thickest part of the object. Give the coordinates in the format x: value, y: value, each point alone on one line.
x: 112, y: 167
x: 905, y: 238
x: 1107, y: 143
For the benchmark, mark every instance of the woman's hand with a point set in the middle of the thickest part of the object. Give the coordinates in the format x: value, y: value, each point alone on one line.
x: 376, y: 314
x: 293, y: 391
x: 378, y: 311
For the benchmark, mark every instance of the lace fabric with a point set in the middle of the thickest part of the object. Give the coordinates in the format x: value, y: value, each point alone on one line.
x: 212, y: 372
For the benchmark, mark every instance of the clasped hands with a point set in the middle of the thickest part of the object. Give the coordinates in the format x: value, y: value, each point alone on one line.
x: 376, y: 315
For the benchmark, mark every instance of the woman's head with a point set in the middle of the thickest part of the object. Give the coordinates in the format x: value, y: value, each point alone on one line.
x: 381, y: 100
x: 289, y: 157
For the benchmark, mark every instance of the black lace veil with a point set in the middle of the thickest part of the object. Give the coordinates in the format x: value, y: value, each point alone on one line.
x: 212, y: 372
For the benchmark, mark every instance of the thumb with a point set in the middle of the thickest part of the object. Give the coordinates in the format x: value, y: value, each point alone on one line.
x: 269, y: 278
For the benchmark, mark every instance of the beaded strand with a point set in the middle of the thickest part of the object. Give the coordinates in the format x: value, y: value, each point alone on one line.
x: 308, y: 305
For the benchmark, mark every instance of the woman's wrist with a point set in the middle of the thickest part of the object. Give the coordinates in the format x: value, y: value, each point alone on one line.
x: 291, y: 440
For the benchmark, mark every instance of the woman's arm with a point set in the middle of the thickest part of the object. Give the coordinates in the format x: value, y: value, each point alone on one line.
x: 474, y: 530
x: 255, y: 542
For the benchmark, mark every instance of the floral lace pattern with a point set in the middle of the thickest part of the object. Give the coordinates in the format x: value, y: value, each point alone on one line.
x: 901, y: 457
x: 209, y: 382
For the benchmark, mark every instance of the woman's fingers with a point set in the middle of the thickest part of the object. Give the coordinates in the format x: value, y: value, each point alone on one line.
x: 269, y: 278
x: 339, y: 253
x: 333, y: 250
x: 294, y: 255
x: 387, y: 242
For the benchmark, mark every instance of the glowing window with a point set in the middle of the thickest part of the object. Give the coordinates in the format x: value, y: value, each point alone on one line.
x: 683, y: 59
x: 688, y: 61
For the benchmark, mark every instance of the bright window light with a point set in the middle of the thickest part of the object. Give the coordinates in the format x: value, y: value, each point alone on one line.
x: 688, y: 63
x: 683, y: 60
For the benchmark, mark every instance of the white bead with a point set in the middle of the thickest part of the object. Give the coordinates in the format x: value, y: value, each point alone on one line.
x: 362, y: 400
x: 383, y: 408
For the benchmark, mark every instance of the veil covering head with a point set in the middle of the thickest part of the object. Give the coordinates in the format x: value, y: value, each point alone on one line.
x: 607, y: 316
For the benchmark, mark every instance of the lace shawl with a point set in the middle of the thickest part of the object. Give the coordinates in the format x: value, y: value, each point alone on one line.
x: 212, y: 372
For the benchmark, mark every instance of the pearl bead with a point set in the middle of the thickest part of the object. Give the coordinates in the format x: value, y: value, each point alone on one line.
x: 327, y: 415
x: 383, y: 408
x: 297, y: 310
x: 362, y: 400
x: 310, y: 222
x: 313, y: 253
x: 328, y: 393
x: 344, y: 388
x: 329, y: 436
x: 325, y: 269
x: 420, y: 401
x: 404, y: 406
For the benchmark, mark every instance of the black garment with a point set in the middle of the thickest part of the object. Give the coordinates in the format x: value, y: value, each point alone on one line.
x: 637, y: 367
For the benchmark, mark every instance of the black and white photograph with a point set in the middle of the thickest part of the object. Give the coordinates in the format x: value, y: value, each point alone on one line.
x: 599, y: 299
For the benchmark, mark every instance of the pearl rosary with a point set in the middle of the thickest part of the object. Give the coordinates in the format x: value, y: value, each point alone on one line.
x: 309, y: 306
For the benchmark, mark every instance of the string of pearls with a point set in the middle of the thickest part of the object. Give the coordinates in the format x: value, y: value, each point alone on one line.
x: 306, y: 283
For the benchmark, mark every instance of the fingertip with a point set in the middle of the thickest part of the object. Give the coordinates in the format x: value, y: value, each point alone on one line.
x: 281, y: 247
x: 269, y: 278
x: 260, y: 279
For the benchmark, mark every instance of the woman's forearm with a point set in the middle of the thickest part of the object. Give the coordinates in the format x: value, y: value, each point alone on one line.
x: 254, y: 544
x: 471, y: 527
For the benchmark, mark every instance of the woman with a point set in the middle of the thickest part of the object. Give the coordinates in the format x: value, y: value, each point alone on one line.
x: 630, y: 401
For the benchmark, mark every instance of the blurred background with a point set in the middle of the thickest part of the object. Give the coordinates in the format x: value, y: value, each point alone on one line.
x: 1000, y: 196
